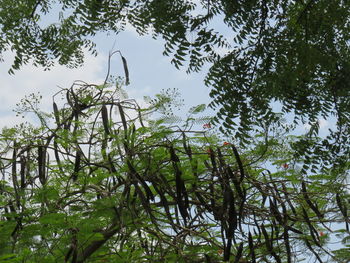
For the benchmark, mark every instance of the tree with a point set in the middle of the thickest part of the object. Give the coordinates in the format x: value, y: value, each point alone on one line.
x: 98, y: 181
x: 292, y: 52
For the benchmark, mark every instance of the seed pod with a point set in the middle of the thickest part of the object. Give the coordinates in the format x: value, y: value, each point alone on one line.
x: 14, y: 167
x: 22, y: 172
x: 105, y: 119
x: 308, y: 201
x: 251, y: 248
x: 126, y: 71
x: 275, y: 212
x: 122, y: 116
x: 57, y: 156
x: 180, y: 186
x: 41, y: 164
x: 239, y: 162
x: 76, y: 165
x: 232, y: 218
x: 287, y: 244
x: 313, y: 231
x: 133, y: 171
x: 56, y: 113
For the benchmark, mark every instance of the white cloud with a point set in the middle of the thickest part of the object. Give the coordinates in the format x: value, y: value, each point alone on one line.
x: 321, y: 122
x: 30, y: 79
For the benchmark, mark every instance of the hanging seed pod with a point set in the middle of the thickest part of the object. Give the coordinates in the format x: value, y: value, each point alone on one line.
x: 180, y: 186
x: 133, y: 171
x: 22, y: 172
x: 76, y: 165
x: 287, y: 244
x: 251, y: 248
x: 275, y: 212
x: 41, y: 164
x: 308, y: 201
x: 313, y: 231
x: 122, y: 116
x: 57, y: 156
x: 286, y: 196
x: 105, y: 121
x: 239, y: 162
x: 126, y: 71
x: 56, y: 113
x: 14, y: 167
x: 235, y: 181
x: 232, y: 216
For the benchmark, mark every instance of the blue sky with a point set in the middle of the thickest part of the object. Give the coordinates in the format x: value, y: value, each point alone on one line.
x: 150, y: 72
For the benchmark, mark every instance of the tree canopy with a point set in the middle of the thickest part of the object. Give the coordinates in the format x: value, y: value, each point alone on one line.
x: 98, y: 181
x: 293, y: 52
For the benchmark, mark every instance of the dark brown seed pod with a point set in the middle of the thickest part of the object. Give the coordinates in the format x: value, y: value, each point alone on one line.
x: 122, y: 116
x: 22, y: 172
x: 313, y: 231
x: 126, y: 71
x: 275, y: 212
x: 232, y: 218
x: 41, y: 164
x: 251, y: 248
x: 57, y: 156
x: 133, y: 171
x: 14, y: 168
x: 239, y: 162
x: 105, y: 121
x: 56, y: 113
x: 181, y: 193
x: 308, y: 201
x: 287, y: 244
x: 76, y: 165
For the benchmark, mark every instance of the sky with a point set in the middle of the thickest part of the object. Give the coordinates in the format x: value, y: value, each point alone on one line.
x: 150, y: 72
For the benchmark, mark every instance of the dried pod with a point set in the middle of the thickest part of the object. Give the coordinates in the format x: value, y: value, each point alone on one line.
x: 56, y: 113
x: 308, y: 201
x: 126, y: 71
x: 251, y: 248
x: 41, y: 164
x: 287, y: 244
x: 105, y: 119
x: 239, y: 162
x: 76, y: 165
x: 22, y: 172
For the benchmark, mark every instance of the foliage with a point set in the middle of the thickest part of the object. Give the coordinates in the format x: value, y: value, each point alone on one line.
x: 98, y: 182
x: 292, y: 52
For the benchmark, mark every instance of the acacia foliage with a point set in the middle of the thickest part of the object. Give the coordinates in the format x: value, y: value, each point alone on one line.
x: 97, y: 181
